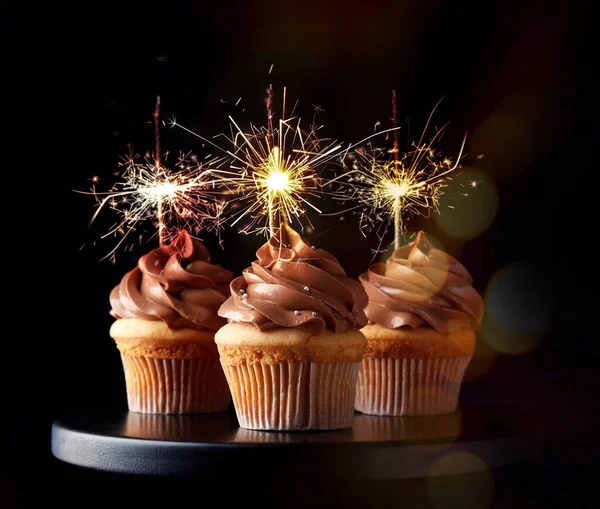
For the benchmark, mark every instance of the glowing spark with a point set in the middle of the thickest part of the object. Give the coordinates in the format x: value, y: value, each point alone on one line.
x: 273, y: 172
x: 183, y: 198
x: 385, y: 192
x: 275, y: 185
x: 178, y: 199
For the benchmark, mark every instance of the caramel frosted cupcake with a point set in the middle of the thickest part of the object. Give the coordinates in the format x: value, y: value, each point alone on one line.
x: 423, y: 313
x: 292, y: 348
x: 166, y: 319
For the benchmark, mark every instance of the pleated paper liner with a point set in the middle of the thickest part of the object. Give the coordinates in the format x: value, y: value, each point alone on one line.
x: 175, y: 386
x: 409, y: 386
x: 293, y: 396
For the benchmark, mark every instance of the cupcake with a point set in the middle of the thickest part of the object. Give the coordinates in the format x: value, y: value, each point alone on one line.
x: 423, y: 313
x: 292, y: 348
x: 166, y: 319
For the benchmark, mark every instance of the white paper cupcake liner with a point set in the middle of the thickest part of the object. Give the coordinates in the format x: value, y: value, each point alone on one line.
x: 293, y: 396
x: 409, y: 386
x: 175, y: 386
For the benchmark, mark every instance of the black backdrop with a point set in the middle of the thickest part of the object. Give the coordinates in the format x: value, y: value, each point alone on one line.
x: 80, y: 83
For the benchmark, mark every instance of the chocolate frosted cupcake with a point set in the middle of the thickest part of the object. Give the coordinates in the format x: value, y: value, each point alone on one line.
x: 423, y: 313
x: 292, y: 348
x: 166, y: 311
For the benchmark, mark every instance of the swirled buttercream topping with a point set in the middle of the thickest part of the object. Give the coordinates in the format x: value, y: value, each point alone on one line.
x: 175, y: 283
x: 422, y: 286
x: 292, y: 284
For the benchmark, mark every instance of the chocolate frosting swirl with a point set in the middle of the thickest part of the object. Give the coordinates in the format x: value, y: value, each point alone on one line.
x: 295, y: 285
x: 420, y: 286
x: 175, y: 283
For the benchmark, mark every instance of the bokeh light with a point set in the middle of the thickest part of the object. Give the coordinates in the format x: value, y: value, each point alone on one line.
x: 435, y: 241
x: 408, y: 238
x: 432, y: 281
x: 519, y: 302
x: 482, y: 361
x: 473, y: 491
x: 469, y: 205
x: 506, y: 141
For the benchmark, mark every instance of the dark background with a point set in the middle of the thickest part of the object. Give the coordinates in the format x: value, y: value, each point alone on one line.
x: 79, y: 84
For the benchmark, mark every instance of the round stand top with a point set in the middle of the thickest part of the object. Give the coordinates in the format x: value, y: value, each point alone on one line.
x: 474, y: 438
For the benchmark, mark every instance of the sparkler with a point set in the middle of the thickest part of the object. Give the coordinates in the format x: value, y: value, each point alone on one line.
x: 274, y: 170
x: 181, y: 198
x: 409, y: 184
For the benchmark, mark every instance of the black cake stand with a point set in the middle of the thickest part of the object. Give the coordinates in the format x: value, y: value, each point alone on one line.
x: 474, y: 438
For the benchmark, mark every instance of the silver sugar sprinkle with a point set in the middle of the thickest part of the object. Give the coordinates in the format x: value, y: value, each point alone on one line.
x: 306, y: 289
x: 296, y: 312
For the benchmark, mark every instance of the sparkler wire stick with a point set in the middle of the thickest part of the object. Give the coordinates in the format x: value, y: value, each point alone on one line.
x: 273, y: 162
x: 160, y: 213
x: 397, y: 209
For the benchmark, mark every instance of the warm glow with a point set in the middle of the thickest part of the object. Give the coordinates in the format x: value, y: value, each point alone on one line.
x: 401, y: 189
x: 276, y: 179
x: 277, y: 182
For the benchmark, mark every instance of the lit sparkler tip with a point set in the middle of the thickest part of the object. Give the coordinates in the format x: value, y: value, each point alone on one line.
x: 170, y: 200
x: 385, y: 191
x: 271, y: 173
